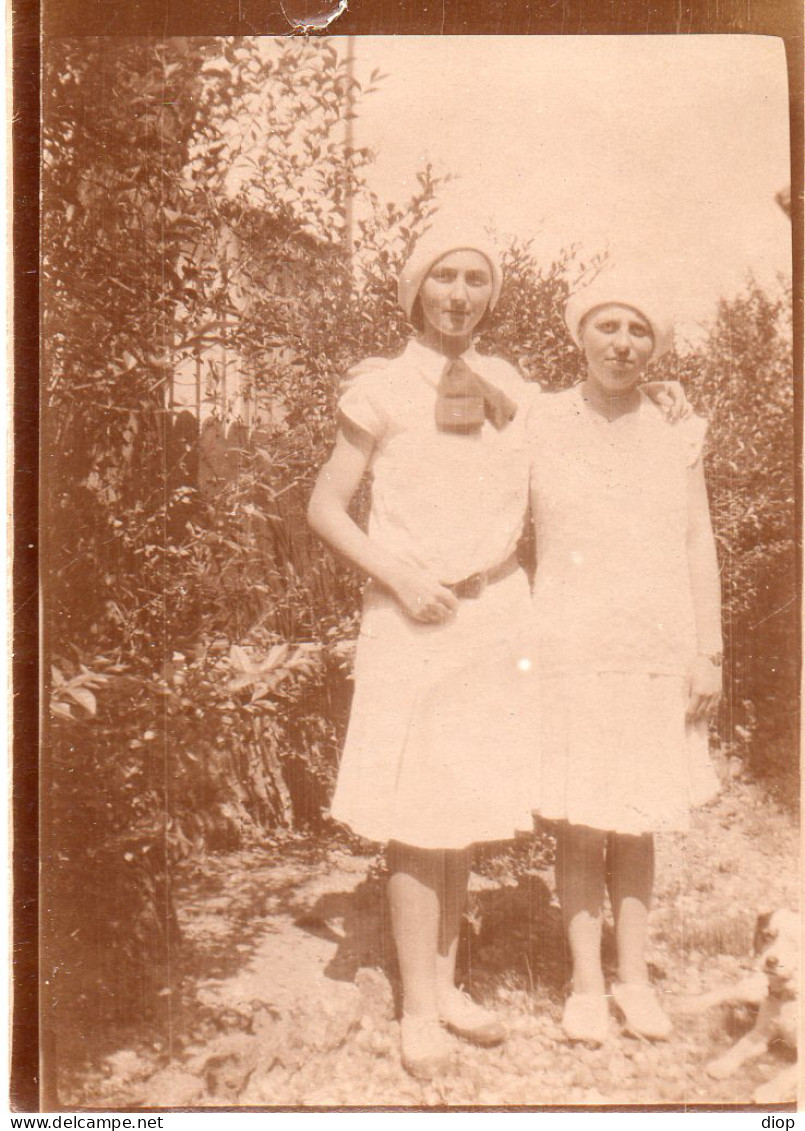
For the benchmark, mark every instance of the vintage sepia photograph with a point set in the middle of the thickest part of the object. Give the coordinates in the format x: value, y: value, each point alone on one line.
x: 420, y: 617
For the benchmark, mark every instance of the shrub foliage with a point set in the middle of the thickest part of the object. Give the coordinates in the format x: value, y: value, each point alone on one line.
x: 740, y: 378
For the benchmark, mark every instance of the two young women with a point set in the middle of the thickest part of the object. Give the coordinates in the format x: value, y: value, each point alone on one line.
x: 455, y: 735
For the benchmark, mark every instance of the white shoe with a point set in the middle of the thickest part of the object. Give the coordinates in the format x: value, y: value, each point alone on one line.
x: 642, y: 1013
x: 425, y: 1047
x: 470, y: 1021
x: 586, y: 1018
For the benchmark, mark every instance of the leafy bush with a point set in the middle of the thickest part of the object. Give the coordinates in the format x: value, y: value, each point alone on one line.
x: 528, y: 326
x: 741, y: 379
x: 155, y: 588
x: 143, y: 773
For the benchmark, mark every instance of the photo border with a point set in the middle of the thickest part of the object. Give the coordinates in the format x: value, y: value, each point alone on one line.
x: 161, y: 18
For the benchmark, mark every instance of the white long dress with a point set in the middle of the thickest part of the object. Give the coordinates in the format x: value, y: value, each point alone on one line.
x: 614, y: 624
x: 427, y: 759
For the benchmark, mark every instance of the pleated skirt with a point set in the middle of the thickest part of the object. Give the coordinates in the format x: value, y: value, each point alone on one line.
x: 437, y: 753
x: 618, y: 754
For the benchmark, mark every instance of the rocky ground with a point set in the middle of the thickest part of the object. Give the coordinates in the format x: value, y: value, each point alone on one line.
x: 287, y: 990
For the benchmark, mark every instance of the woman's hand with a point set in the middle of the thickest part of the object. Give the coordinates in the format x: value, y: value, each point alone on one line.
x: 671, y: 398
x: 705, y: 689
x: 422, y: 597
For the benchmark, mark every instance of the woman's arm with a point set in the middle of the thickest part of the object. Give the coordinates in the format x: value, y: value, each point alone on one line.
x: 706, y: 676
x: 422, y: 597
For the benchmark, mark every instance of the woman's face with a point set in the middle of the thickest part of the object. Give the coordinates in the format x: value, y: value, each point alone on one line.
x: 455, y: 295
x: 617, y: 343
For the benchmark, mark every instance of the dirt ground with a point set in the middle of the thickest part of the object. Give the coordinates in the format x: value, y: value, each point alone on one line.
x: 287, y: 990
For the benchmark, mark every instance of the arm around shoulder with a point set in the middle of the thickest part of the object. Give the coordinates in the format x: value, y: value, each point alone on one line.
x: 671, y: 398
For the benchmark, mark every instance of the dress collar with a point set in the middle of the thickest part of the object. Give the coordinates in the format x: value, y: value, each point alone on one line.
x: 584, y: 403
x: 430, y: 363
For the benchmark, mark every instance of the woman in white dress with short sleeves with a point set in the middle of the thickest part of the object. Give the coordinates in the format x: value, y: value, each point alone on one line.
x: 628, y: 639
x: 426, y: 767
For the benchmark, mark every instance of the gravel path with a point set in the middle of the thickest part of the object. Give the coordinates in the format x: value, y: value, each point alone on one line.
x: 287, y: 992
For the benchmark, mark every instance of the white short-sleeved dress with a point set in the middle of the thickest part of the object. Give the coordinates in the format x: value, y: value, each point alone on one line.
x: 427, y: 759
x: 613, y: 623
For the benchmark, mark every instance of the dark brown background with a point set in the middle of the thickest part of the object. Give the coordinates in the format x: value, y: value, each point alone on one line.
x: 60, y: 18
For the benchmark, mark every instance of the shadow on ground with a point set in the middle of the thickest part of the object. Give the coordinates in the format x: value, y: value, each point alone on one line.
x: 286, y: 984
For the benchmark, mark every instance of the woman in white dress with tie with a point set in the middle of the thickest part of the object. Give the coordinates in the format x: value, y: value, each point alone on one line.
x: 427, y: 767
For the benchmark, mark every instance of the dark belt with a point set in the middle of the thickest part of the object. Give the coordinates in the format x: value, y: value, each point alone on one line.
x: 471, y: 588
